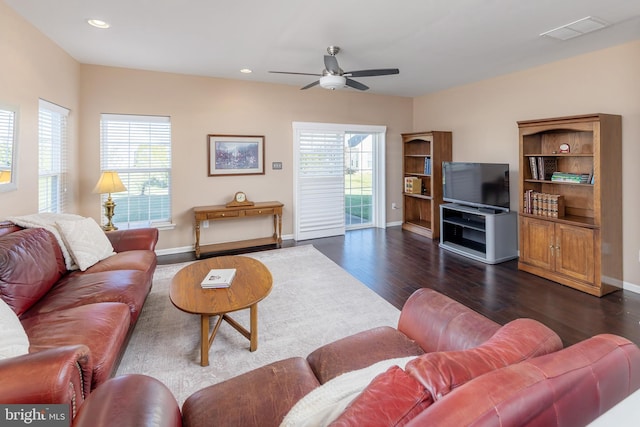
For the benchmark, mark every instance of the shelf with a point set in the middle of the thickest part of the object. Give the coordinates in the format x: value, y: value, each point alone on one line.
x: 546, y: 181
x: 474, y: 225
x: 567, y: 219
x: 583, y: 248
x: 418, y: 196
x: 560, y: 155
x: 424, y: 152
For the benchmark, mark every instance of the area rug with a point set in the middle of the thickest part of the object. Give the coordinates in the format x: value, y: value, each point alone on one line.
x: 313, y: 302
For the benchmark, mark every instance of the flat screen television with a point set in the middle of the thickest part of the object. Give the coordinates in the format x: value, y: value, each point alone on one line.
x: 482, y: 185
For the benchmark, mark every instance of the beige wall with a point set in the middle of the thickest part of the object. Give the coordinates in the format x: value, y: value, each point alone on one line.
x: 199, y: 106
x: 483, y: 116
x: 33, y: 67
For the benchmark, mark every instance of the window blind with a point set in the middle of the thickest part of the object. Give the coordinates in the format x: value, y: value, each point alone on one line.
x: 139, y: 149
x: 52, y: 157
x: 7, y: 118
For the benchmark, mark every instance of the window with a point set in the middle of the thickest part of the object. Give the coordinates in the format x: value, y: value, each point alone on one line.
x: 139, y: 149
x: 52, y: 157
x: 8, y: 145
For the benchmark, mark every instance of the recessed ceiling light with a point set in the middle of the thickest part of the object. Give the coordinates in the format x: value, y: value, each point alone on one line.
x: 98, y: 23
x: 246, y: 71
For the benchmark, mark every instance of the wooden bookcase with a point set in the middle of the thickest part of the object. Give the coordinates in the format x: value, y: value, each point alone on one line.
x: 422, y: 157
x: 582, y: 248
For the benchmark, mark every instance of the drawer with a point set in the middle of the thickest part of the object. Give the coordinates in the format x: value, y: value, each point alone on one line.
x: 220, y: 214
x: 256, y: 212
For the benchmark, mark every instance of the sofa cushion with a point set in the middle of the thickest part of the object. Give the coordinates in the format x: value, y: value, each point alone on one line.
x: 570, y: 387
x: 80, y: 288
x: 391, y: 399
x: 436, y: 374
x: 13, y: 339
x: 326, y: 403
x: 102, y: 327
x: 142, y: 260
x: 85, y: 241
x: 518, y: 340
x: 359, y: 351
x: 261, y: 397
x: 31, y: 262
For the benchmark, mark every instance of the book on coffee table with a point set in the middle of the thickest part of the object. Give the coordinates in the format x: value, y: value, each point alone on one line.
x: 218, y: 278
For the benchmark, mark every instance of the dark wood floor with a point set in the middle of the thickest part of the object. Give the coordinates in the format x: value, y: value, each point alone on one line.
x: 394, y: 263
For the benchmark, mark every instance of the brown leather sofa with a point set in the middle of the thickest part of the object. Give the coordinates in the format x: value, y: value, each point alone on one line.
x: 468, y: 370
x: 77, y: 322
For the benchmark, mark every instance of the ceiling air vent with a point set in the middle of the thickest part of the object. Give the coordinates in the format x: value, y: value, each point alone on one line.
x: 576, y: 28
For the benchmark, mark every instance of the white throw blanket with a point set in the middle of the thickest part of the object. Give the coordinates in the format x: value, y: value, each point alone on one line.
x: 47, y: 221
x: 324, y: 404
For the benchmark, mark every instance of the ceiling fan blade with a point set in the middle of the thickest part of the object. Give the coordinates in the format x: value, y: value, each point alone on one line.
x: 291, y: 72
x: 331, y: 64
x: 356, y: 85
x: 371, y: 73
x: 310, y: 85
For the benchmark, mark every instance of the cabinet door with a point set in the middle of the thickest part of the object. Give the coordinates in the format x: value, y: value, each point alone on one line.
x: 537, y: 242
x: 575, y: 252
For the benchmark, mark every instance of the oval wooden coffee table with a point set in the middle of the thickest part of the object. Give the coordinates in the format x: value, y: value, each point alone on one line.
x: 251, y: 285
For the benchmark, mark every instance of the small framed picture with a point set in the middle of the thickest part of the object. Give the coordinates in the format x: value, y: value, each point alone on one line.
x: 235, y: 155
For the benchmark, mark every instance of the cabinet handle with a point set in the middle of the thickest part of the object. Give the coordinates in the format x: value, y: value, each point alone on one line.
x: 222, y: 214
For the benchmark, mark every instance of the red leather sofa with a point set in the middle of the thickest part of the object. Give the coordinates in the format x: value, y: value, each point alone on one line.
x: 467, y: 371
x: 77, y: 322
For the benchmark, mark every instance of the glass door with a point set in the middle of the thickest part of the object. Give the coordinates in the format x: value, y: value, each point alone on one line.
x: 358, y: 180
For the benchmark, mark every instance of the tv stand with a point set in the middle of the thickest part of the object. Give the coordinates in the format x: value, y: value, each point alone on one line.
x: 486, y: 235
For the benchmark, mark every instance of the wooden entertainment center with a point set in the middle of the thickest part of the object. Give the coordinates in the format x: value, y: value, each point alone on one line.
x: 581, y: 248
x: 485, y: 235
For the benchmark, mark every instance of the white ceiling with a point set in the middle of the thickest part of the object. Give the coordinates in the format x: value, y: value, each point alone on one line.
x: 436, y: 44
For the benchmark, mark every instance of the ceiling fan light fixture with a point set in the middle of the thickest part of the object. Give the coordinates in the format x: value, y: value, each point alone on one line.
x: 98, y: 23
x: 333, y: 82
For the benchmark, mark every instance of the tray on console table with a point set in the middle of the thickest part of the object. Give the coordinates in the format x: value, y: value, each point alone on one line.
x: 222, y: 212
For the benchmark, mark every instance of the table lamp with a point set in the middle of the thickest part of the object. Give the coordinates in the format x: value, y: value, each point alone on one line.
x: 109, y: 182
x: 5, y: 176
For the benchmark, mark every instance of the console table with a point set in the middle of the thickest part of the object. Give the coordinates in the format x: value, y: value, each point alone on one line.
x: 222, y: 212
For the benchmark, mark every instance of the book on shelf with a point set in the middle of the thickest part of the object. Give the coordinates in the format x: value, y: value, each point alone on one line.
x: 534, y: 167
x: 218, y: 278
x: 412, y: 185
x: 542, y: 168
x: 548, y: 166
x: 427, y: 166
x: 543, y: 204
x: 576, y: 178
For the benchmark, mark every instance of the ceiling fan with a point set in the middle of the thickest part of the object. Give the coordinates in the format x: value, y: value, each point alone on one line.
x: 332, y: 77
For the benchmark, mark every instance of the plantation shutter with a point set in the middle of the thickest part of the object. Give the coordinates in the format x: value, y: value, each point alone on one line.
x: 319, y: 195
x: 139, y: 149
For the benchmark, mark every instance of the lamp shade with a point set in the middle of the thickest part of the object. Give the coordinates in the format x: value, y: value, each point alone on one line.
x: 5, y: 176
x: 109, y: 182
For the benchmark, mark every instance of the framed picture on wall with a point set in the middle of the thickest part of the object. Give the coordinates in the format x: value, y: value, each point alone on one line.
x: 235, y: 155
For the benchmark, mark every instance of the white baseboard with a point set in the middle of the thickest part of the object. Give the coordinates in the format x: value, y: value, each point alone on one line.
x: 631, y: 287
